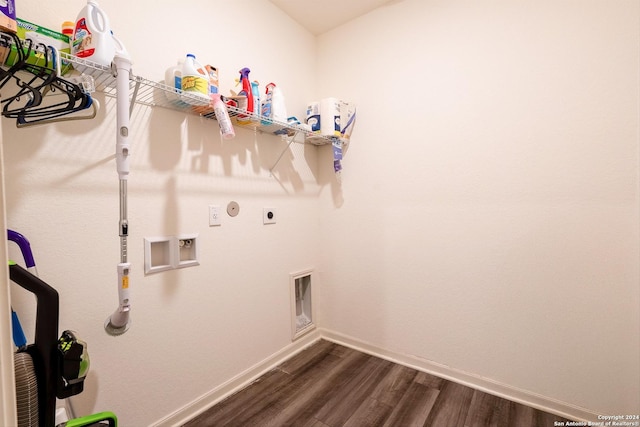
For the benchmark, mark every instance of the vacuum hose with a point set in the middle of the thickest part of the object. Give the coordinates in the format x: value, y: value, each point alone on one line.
x: 118, y: 323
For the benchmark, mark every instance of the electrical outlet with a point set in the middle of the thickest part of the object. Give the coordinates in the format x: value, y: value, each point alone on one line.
x: 214, y: 215
x: 269, y: 216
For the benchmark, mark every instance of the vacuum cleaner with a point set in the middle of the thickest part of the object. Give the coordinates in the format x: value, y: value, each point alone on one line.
x: 51, y: 367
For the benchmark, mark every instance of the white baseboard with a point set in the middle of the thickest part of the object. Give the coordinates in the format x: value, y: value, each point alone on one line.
x: 236, y: 383
x: 486, y: 385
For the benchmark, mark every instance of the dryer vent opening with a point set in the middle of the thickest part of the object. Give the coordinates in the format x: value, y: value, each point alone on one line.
x: 302, y: 309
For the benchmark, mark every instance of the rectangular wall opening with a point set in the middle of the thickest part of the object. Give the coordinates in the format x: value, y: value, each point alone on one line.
x: 302, y: 309
x: 187, y: 250
x: 158, y: 254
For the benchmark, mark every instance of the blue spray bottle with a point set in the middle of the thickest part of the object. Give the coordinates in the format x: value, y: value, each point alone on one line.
x: 255, y: 93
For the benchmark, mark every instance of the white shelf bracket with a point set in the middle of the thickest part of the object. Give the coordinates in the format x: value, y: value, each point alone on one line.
x: 291, y: 139
x: 134, y: 96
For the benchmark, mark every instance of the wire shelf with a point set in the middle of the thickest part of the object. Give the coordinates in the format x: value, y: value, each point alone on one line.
x: 157, y: 94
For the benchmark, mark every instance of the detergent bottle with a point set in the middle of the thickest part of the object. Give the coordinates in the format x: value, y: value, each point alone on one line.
x: 92, y: 38
x: 173, y: 79
x: 222, y: 116
x: 194, y: 81
x: 278, y: 107
x: 255, y: 93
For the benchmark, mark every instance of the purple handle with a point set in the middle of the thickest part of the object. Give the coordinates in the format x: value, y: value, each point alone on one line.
x: 24, y: 245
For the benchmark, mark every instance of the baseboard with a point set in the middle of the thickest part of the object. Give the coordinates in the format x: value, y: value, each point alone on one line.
x: 236, y: 383
x: 486, y: 385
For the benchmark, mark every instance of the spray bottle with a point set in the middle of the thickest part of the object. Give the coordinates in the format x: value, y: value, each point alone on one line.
x: 255, y: 93
x: 267, y: 112
x: 247, y: 92
x: 222, y: 115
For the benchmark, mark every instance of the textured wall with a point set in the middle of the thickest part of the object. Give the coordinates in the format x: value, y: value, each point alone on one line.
x: 488, y: 214
x: 194, y: 328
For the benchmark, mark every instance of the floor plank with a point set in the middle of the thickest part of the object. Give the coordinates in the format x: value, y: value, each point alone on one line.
x: 414, y: 407
x: 345, y: 399
x: 486, y: 410
x: 393, y: 386
x: 371, y: 412
x: 451, y: 406
x: 328, y: 385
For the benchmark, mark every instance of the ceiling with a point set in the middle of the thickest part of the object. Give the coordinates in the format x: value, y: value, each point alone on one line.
x: 319, y: 16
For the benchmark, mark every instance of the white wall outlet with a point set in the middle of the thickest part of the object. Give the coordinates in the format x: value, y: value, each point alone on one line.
x: 269, y: 216
x: 215, y: 215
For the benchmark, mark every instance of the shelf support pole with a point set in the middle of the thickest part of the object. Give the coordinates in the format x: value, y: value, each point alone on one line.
x: 293, y: 137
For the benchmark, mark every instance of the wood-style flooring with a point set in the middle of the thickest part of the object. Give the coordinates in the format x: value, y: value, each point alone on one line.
x: 328, y: 385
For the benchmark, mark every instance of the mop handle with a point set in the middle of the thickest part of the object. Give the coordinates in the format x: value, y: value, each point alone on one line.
x: 122, y: 65
x: 123, y: 74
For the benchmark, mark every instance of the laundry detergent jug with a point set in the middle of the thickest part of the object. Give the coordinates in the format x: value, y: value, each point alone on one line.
x: 173, y: 79
x: 92, y: 37
x: 195, y: 82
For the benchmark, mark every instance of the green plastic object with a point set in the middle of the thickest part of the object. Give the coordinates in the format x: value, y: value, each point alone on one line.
x: 100, y: 417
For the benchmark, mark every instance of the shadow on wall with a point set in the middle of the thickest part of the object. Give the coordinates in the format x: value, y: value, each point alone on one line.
x: 171, y: 222
x: 85, y: 402
x: 165, y: 130
x: 251, y: 151
x: 62, y: 146
x: 326, y: 175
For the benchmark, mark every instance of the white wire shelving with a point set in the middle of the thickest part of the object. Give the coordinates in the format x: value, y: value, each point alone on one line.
x: 156, y: 94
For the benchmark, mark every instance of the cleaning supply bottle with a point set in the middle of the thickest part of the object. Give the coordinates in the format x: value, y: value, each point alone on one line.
x: 255, y: 93
x: 67, y: 29
x: 194, y: 81
x: 92, y: 38
x: 212, y: 72
x: 278, y: 107
x: 267, y: 112
x: 246, y: 91
x: 222, y: 115
x: 173, y: 79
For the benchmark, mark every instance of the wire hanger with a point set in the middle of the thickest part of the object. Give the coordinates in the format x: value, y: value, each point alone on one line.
x: 38, y: 81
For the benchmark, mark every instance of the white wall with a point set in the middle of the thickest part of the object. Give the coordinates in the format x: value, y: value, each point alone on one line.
x: 7, y: 377
x: 195, y: 328
x: 487, y: 219
x: 488, y: 216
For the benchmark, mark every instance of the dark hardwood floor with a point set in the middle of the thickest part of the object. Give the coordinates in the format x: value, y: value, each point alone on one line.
x: 328, y: 385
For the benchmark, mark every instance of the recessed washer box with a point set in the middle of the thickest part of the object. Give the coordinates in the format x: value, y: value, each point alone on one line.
x: 187, y: 250
x: 169, y: 252
x: 158, y: 254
